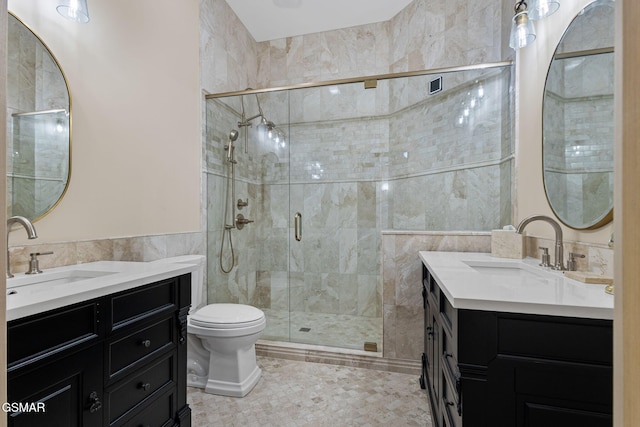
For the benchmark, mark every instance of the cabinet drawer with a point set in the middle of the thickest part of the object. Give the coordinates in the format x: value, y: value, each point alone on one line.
x: 568, y: 339
x: 127, y: 396
x: 36, y: 337
x: 141, y: 303
x: 449, y: 344
x: 159, y: 413
x: 448, y: 314
x: 451, y: 404
x: 137, y: 347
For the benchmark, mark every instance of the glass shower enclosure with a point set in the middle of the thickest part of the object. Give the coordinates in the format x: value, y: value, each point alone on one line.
x: 298, y: 202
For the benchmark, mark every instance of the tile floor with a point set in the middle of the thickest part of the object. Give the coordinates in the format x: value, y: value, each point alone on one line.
x: 335, y: 330
x: 293, y: 393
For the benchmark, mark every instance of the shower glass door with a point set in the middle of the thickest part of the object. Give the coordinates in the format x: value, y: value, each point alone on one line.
x: 323, y: 172
x: 336, y: 136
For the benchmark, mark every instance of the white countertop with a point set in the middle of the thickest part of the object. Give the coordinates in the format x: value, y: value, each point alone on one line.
x: 25, y: 298
x: 536, y: 291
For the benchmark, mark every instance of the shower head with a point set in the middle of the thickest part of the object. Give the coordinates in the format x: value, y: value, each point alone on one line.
x: 233, y: 135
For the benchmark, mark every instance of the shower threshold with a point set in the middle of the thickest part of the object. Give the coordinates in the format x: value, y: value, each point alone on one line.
x: 336, y: 331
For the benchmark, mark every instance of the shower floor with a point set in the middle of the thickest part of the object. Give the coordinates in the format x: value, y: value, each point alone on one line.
x: 334, y: 330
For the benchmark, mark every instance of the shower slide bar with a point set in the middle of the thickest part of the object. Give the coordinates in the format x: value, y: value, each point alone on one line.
x: 367, y: 80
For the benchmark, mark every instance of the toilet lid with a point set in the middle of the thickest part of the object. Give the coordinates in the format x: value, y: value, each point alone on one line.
x: 227, y: 315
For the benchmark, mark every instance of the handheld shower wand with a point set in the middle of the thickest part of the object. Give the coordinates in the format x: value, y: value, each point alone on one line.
x: 233, y: 135
x: 231, y: 182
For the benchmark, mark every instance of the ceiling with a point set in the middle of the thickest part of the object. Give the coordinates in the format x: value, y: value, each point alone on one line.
x: 275, y: 19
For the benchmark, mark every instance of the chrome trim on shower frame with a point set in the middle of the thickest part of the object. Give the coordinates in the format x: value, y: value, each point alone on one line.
x: 363, y: 79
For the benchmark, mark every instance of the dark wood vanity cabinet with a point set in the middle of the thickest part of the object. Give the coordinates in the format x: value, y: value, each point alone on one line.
x: 119, y: 360
x: 495, y: 369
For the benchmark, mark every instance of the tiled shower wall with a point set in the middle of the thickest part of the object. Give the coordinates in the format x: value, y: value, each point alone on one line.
x: 424, y: 35
x: 351, y: 180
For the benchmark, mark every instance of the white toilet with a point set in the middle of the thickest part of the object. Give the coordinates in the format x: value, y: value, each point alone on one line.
x: 221, y: 354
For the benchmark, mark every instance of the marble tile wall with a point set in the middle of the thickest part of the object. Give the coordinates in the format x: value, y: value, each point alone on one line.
x: 137, y: 248
x: 403, y: 313
x: 333, y: 172
x: 598, y: 258
x: 424, y: 35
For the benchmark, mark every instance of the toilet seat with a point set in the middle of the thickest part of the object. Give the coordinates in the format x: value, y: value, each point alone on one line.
x: 227, y: 316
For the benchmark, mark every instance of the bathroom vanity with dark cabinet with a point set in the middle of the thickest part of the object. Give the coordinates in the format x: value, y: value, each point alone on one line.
x: 117, y: 360
x: 503, y: 369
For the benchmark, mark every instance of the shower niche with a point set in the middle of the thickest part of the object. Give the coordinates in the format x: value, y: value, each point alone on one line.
x: 324, y: 171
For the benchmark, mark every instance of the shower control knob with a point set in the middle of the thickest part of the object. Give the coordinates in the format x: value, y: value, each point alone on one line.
x: 243, y: 203
x: 241, y: 221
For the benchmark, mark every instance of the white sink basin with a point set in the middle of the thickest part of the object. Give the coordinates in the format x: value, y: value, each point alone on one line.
x: 20, y: 284
x: 517, y: 270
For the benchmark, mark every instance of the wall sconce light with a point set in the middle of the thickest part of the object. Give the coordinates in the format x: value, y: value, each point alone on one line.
x: 522, y: 30
x: 539, y: 9
x: 74, y: 10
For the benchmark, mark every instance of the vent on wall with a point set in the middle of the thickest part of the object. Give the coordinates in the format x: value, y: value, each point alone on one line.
x: 435, y: 85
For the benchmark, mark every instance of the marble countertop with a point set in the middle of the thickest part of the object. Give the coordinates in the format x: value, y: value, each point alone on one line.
x: 57, y: 287
x: 478, y: 281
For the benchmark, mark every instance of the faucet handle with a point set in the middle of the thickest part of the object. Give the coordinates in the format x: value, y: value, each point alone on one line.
x: 34, y: 267
x: 571, y: 262
x: 545, y: 259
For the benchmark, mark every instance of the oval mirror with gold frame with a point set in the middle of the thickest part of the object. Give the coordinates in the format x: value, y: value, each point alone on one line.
x: 38, y: 125
x: 578, y: 122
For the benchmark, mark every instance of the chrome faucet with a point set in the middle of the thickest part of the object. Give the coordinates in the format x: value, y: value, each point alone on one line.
x: 31, y: 233
x: 559, y: 252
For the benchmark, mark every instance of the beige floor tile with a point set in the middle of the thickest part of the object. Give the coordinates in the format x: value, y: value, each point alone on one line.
x: 292, y: 393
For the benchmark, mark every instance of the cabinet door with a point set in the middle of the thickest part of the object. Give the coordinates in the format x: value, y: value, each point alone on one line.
x: 64, y: 388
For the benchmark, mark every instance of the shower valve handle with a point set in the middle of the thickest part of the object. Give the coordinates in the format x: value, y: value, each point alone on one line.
x: 243, y: 203
x: 241, y: 221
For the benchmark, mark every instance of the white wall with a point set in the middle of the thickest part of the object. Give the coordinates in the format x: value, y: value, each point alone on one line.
x: 532, y: 64
x: 133, y: 71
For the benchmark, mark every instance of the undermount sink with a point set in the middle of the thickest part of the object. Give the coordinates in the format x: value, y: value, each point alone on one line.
x: 508, y: 269
x: 16, y: 284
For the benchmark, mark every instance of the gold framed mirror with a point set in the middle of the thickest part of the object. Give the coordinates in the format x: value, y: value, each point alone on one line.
x: 38, y: 125
x: 578, y: 122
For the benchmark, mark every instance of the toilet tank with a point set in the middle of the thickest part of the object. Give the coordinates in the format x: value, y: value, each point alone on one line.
x: 198, y: 290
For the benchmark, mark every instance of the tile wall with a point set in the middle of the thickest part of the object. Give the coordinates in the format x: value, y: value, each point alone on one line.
x: 424, y: 35
x: 137, y: 248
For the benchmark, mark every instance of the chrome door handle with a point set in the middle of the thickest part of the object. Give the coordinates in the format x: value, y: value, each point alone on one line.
x: 298, y: 226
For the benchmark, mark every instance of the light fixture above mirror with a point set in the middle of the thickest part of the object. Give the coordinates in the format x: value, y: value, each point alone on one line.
x: 74, y: 10
x: 539, y: 9
x: 523, y: 32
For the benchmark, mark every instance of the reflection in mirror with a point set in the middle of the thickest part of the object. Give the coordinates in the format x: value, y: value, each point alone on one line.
x: 38, y: 125
x: 578, y: 122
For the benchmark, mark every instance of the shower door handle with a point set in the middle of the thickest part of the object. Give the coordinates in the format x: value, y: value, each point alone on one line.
x: 297, y: 220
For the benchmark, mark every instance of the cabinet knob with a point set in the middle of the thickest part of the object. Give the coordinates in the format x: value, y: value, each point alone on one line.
x: 94, y: 402
x: 144, y: 386
x: 146, y: 343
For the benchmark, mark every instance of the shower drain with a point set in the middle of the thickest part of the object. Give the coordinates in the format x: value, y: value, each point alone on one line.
x: 305, y: 329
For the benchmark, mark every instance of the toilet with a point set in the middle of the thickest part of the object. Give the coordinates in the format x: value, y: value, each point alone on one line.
x: 221, y: 354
